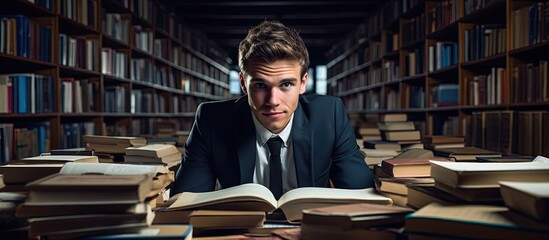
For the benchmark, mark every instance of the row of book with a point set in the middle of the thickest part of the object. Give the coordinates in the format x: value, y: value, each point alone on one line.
x: 26, y: 93
x: 21, y: 142
x: 23, y: 37
x: 509, y: 132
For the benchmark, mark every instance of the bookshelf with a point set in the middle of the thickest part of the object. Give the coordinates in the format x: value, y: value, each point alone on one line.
x: 114, y: 67
x: 452, y: 69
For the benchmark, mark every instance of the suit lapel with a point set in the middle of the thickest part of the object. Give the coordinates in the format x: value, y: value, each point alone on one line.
x: 302, y: 136
x: 244, y: 133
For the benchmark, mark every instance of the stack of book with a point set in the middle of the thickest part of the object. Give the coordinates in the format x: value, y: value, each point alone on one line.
x: 111, y: 148
x: 396, y: 128
x: 164, y: 154
x: 477, y: 182
x: 439, y: 141
x: 420, y: 195
x: 83, y: 205
x: 353, y: 221
x: 394, y: 176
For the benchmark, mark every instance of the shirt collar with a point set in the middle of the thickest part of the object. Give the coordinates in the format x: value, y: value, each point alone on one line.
x: 263, y: 134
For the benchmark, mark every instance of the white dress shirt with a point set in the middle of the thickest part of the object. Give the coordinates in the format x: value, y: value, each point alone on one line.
x: 261, y: 173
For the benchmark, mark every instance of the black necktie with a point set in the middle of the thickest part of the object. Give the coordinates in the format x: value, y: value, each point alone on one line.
x: 275, y: 166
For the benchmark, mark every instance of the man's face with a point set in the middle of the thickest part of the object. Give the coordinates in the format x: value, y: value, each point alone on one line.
x: 273, y: 91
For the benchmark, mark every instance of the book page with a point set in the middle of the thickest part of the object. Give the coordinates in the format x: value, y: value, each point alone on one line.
x: 244, y: 192
x: 331, y: 194
x: 108, y: 169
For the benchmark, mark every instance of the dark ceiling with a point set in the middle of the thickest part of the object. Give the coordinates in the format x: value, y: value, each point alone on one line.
x: 321, y: 23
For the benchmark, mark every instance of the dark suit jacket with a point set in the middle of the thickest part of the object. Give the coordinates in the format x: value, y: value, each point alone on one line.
x: 222, y: 145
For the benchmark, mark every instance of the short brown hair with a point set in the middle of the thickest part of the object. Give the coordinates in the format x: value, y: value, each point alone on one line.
x: 271, y: 41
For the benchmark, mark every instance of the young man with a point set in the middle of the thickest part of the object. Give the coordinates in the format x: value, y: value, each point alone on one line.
x: 230, y: 144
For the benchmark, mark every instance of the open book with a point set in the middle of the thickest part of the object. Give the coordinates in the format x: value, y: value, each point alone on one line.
x: 256, y: 197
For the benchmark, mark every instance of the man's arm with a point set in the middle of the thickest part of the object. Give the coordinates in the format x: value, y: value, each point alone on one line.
x: 349, y: 169
x: 196, y: 173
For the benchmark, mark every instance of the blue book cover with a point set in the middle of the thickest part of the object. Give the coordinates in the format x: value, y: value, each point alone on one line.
x: 39, y: 100
x: 45, y: 43
x: 22, y: 94
x: 42, y: 135
x: 22, y: 34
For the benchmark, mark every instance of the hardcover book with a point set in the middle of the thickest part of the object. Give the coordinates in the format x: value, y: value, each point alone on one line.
x: 465, y: 153
x: 152, y: 150
x: 422, y: 195
x: 379, y: 144
x: 484, y: 195
x: 393, y: 117
x: 529, y: 198
x: 17, y: 174
x: 399, y: 136
x: 396, y: 126
x: 74, y: 189
x: 398, y: 185
x: 355, y: 216
x: 219, y: 219
x: 161, y: 175
x: 487, y: 175
x: 413, y: 167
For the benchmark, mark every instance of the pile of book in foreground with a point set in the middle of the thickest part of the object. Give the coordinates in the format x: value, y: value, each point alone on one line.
x: 70, y: 206
x: 522, y: 189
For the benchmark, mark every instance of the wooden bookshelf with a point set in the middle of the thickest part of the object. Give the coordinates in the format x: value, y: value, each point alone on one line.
x: 99, y: 67
x: 452, y: 69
